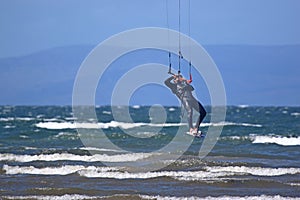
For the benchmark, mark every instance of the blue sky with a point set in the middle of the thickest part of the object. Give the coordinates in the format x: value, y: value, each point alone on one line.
x: 33, y: 25
x: 262, y: 78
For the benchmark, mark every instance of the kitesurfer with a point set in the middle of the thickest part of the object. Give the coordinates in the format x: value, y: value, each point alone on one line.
x: 183, y: 90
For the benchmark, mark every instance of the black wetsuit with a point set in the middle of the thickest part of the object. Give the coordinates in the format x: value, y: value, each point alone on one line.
x: 184, y: 92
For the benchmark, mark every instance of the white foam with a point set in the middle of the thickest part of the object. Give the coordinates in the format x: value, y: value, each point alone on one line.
x: 257, y: 171
x: 172, y: 109
x: 106, y: 112
x: 271, y: 139
x: 267, y: 139
x: 261, y: 197
x: 295, y: 114
x: 125, y: 125
x: 24, y: 118
x: 231, y: 124
x: 6, y: 119
x: 99, y: 149
x: 30, y: 148
x: 293, y: 184
x: 157, y: 197
x: 55, y: 125
x: 40, y: 116
x: 112, y: 124
x: 52, y: 120
x: 131, y: 157
x: 243, y: 106
x: 136, y: 106
x: 145, y: 134
x: 63, y: 170
x: 17, y: 118
x: 62, y: 134
x: 179, y: 175
x: 8, y: 126
x: 215, y: 173
x: 235, y: 137
x: 113, y: 173
x: 67, y: 135
x: 53, y: 197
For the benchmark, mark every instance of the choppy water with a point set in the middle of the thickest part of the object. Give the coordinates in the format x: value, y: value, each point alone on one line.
x: 42, y: 156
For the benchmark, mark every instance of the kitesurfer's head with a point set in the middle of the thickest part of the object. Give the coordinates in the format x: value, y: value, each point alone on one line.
x: 178, y: 78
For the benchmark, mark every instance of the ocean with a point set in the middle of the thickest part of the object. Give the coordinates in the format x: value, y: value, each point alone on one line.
x: 42, y: 156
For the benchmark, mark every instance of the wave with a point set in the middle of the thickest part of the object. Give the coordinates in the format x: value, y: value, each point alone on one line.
x: 53, y: 120
x: 178, y: 175
x: 125, y: 125
x: 231, y: 124
x: 261, y: 197
x: 235, y: 137
x: 243, y: 106
x: 131, y: 157
x: 148, y: 197
x: 112, y: 173
x: 172, y: 109
x: 30, y: 148
x: 136, y: 106
x: 112, y: 124
x: 63, y: 170
x: 8, y: 127
x: 256, y: 171
x: 16, y: 119
x: 216, y: 173
x: 64, y: 125
x: 146, y: 134
x: 295, y: 114
x: 280, y: 140
x: 54, y: 197
x: 99, y: 149
x: 6, y: 119
x: 106, y: 112
x: 267, y: 139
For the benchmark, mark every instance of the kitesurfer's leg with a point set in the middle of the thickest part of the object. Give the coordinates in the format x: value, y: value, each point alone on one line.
x: 202, y: 113
x: 189, y: 110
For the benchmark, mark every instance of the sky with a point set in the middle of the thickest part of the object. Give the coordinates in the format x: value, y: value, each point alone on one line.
x: 33, y: 25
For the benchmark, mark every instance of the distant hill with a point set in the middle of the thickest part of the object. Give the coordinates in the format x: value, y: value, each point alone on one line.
x: 255, y: 75
x: 259, y: 75
x: 45, y: 77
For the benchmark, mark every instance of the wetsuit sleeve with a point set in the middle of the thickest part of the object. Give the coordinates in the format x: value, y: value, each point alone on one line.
x: 170, y: 85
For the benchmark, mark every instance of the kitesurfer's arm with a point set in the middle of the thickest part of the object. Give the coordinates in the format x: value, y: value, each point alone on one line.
x: 169, y: 84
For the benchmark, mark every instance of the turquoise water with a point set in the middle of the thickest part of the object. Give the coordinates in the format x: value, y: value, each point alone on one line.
x: 42, y: 156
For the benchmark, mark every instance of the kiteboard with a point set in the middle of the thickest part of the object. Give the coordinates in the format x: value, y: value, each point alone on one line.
x: 197, y: 135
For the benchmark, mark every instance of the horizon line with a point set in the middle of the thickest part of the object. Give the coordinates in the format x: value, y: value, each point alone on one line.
x: 94, y: 45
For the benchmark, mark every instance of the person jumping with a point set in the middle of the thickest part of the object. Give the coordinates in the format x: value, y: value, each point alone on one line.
x: 183, y: 90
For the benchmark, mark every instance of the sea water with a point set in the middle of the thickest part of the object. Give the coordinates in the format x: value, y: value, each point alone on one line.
x: 42, y: 156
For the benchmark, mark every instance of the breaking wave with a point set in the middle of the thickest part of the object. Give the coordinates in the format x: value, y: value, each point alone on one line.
x: 280, y: 140
x: 125, y: 125
x: 149, y: 197
x: 131, y: 157
x: 261, y: 197
x: 207, y: 173
x: 112, y: 124
x: 63, y: 170
x: 267, y: 139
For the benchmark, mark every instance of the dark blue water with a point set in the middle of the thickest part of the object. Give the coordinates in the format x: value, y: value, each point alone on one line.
x: 42, y: 156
